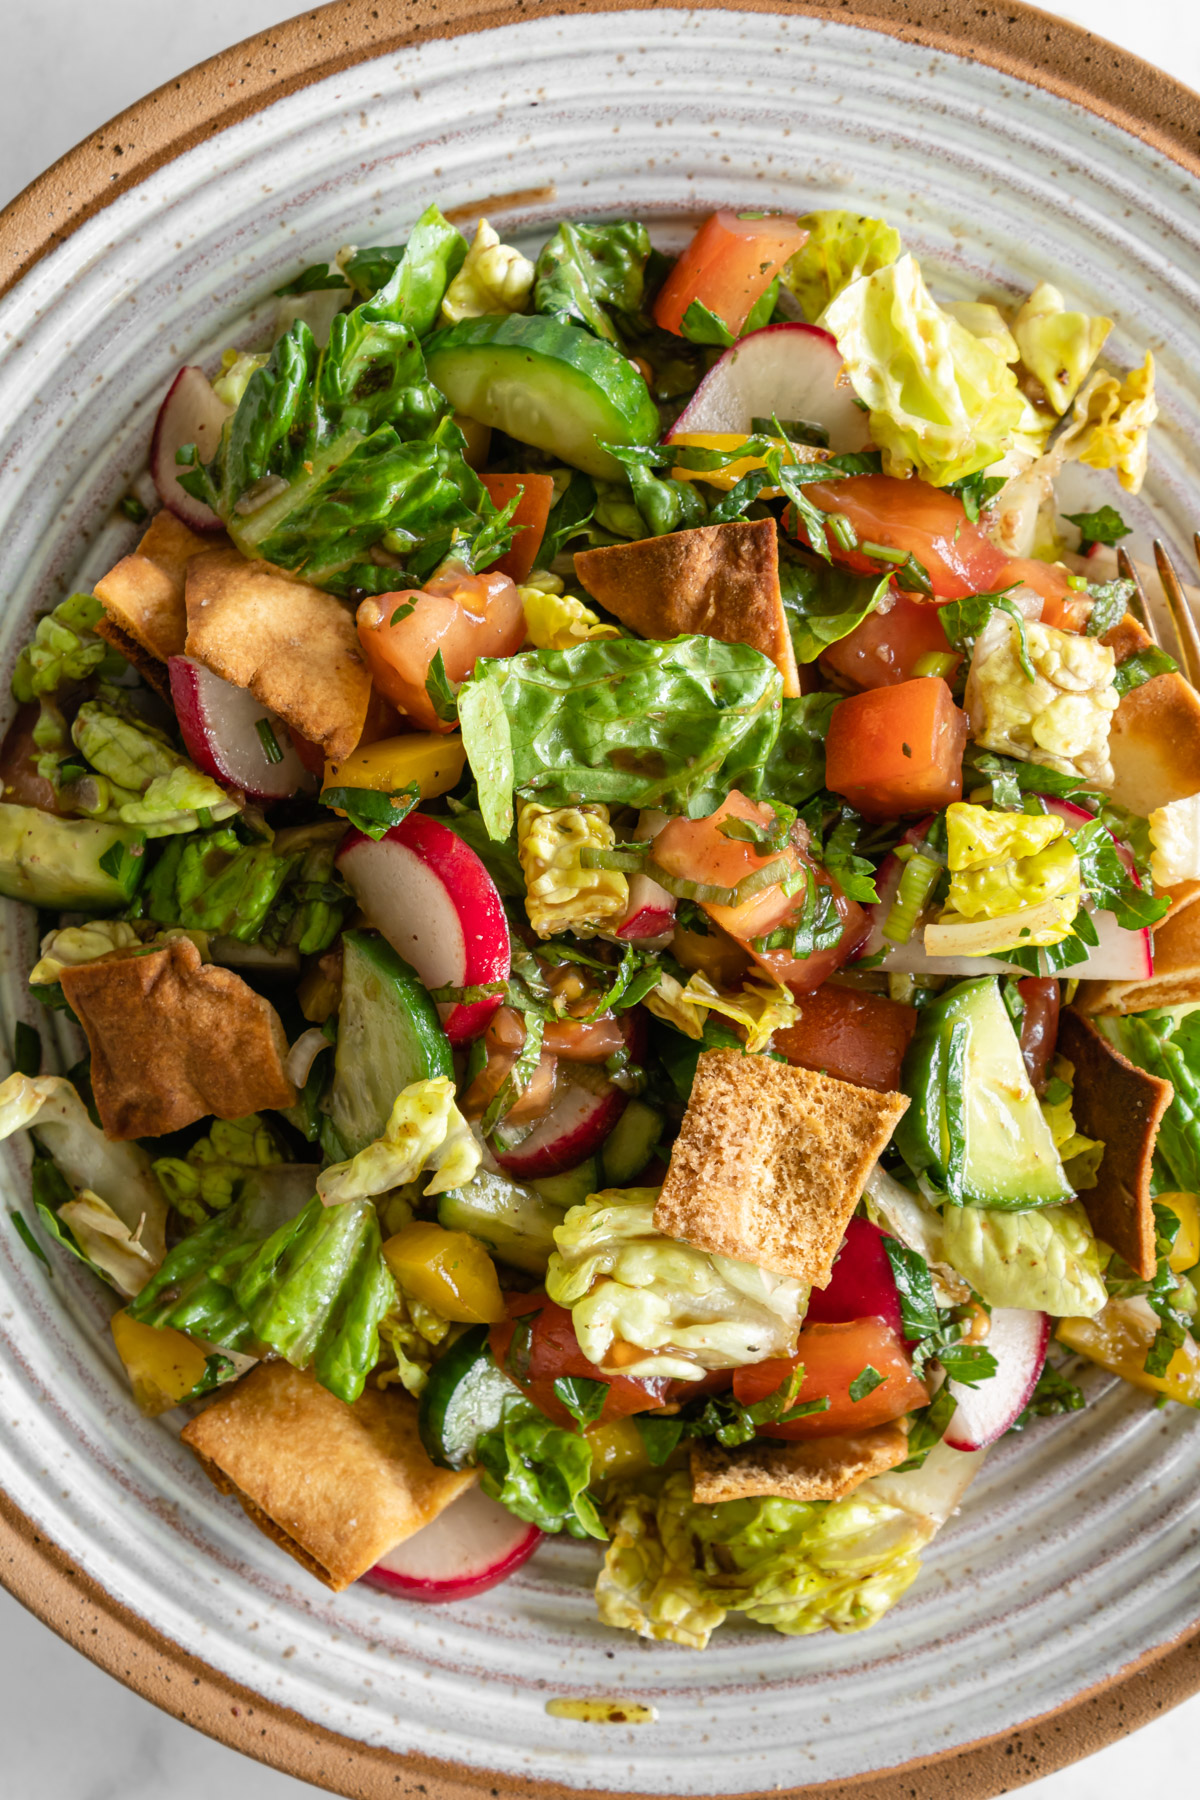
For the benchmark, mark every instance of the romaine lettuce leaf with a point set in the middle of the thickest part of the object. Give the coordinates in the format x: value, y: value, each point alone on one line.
x: 259, y: 893
x: 624, y: 721
x: 1058, y: 347
x: 841, y: 247
x: 1167, y: 1045
x: 539, y: 1471
x: 64, y: 648
x: 1043, y: 1261
x: 586, y: 270
x: 417, y: 273
x: 144, y: 781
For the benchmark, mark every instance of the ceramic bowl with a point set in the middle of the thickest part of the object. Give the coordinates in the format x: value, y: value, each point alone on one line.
x: 1021, y: 152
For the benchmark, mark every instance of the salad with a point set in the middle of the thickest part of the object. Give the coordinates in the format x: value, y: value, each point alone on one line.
x: 624, y: 880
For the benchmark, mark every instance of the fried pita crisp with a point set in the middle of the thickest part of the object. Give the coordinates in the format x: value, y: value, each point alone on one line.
x: 336, y: 1486
x: 173, y: 1040
x: 1176, y: 977
x: 1122, y: 1105
x: 819, y: 1469
x: 1154, y: 744
x: 770, y: 1162
x: 152, y: 672
x: 1127, y: 638
x: 718, y: 581
x: 143, y: 593
x: 294, y: 646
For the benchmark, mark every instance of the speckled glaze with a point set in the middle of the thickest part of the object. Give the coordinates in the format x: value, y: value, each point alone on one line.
x: 1077, y: 1556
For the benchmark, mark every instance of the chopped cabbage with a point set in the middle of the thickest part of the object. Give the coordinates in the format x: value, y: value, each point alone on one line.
x: 688, y: 1310
x: 411, y: 1332
x: 674, y: 1569
x: 1058, y: 347
x: 213, y: 1173
x: 1175, y: 835
x: 425, y: 1130
x: 760, y: 1009
x: 144, y: 780
x: 1110, y: 424
x: 1080, y: 1155
x: 495, y: 278
x: 1002, y: 863
x: 561, y: 895
x: 941, y: 401
x: 555, y: 621
x: 1046, y: 1260
x: 841, y: 246
x: 1062, y: 717
x: 108, y: 1243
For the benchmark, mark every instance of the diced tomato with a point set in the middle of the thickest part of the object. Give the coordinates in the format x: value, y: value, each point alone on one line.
x: 958, y: 555
x: 729, y: 264
x: 552, y: 1351
x: 529, y: 520
x: 833, y: 1356
x: 862, y: 1285
x: 897, y: 749
x: 464, y: 616
x: 852, y: 1035
x: 885, y: 647
x: 20, y: 783
x: 1039, y: 1026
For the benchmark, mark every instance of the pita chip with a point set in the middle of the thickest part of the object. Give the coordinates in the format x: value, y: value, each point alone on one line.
x: 719, y: 581
x: 143, y: 593
x: 336, y: 1486
x: 152, y: 672
x: 294, y: 646
x: 1122, y: 1105
x: 816, y: 1469
x: 1154, y: 744
x: 173, y: 1040
x: 770, y: 1162
x: 1176, y: 977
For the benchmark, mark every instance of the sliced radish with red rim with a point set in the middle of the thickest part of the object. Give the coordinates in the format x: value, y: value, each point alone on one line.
x: 782, y: 371
x: 232, y: 736
x: 585, y: 1109
x: 470, y: 1547
x: 1018, y: 1341
x: 190, y: 414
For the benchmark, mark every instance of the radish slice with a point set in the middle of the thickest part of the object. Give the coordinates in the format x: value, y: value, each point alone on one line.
x: 650, y: 912
x: 862, y: 1284
x: 1018, y: 1340
x: 585, y: 1110
x: 789, y: 371
x: 468, y: 1548
x: 436, y: 904
x: 219, y: 724
x: 190, y: 414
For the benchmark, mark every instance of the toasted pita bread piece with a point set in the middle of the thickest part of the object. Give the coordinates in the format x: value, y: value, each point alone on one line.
x: 770, y: 1162
x: 173, y: 1040
x: 1122, y: 1105
x: 143, y: 593
x: 294, y: 646
x: 152, y: 672
x: 1176, y: 977
x: 820, y: 1469
x: 718, y: 581
x: 336, y: 1486
x: 1154, y: 744
x: 1127, y: 638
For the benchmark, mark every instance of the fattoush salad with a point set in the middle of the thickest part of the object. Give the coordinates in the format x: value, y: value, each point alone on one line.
x: 627, y: 881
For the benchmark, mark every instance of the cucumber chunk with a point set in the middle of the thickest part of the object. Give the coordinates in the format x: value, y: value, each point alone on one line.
x: 545, y: 383
x: 1009, y: 1159
x: 572, y: 1187
x: 389, y: 1035
x: 516, y: 1224
x: 463, y: 1398
x: 79, y: 865
x: 630, y: 1144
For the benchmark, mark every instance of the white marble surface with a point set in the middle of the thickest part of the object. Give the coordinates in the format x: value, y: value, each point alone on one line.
x: 68, y: 1731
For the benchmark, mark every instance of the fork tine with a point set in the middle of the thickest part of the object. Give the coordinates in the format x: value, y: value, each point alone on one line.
x: 1181, y: 614
x: 1137, y: 604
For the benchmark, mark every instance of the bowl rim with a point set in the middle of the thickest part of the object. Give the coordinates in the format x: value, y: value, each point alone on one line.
x: 1018, y: 40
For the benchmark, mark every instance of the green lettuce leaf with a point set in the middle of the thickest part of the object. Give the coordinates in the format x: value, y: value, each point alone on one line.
x: 620, y: 720
x: 795, y: 769
x: 214, y: 1172
x: 417, y: 273
x: 1044, y: 1261
x: 539, y: 1471
x: 144, y: 780
x: 64, y: 648
x: 841, y: 246
x: 587, y: 272
x: 268, y: 893
x: 824, y: 603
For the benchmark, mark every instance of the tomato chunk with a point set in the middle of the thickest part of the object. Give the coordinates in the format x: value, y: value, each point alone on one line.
x: 862, y: 1285
x: 551, y: 1351
x: 729, y: 264
x: 833, y: 1356
x: 464, y: 616
x: 851, y: 1035
x: 885, y: 648
x: 897, y: 749
x: 529, y: 521
x: 1039, y: 1027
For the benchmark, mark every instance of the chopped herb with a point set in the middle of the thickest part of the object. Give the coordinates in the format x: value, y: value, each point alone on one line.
x: 443, y: 694
x: 370, y: 811
x: 1103, y: 527
x: 583, y: 1398
x: 975, y: 491
x: 24, y: 1232
x: 865, y: 1382
x: 27, y: 1049
x: 268, y: 740
x: 131, y: 506
x: 1142, y: 666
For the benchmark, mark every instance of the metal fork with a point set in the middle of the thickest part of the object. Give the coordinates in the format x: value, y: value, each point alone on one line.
x: 1177, y: 605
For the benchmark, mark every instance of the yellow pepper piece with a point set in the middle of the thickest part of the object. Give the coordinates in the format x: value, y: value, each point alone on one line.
x: 432, y: 760
x: 449, y: 1271
x: 1185, y: 1251
x: 1118, y: 1339
x: 617, y: 1450
x: 732, y: 472
x: 163, y: 1365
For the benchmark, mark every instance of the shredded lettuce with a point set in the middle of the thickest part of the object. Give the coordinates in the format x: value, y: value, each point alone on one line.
x: 1056, y: 346
x: 761, y: 1008
x: 586, y: 273
x: 425, y: 1130
x: 539, y: 1471
x: 144, y: 780
x: 64, y: 648
x: 214, y: 1172
x: 1045, y: 1261
x: 841, y: 247
x: 1110, y: 424
x: 494, y: 278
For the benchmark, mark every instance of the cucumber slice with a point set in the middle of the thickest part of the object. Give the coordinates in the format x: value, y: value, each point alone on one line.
x: 76, y: 865
x: 463, y: 1398
x: 389, y: 1034
x: 1009, y: 1158
x: 572, y: 1187
x: 516, y: 1224
x: 630, y: 1144
x: 547, y: 384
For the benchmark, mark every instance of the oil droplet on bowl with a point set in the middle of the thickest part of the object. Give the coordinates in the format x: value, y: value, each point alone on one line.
x: 603, y: 1712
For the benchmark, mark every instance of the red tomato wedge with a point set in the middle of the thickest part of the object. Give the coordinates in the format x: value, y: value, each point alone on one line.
x: 885, y: 648
x: 529, y: 520
x: 464, y: 616
x: 959, y: 556
x: 862, y: 1285
x: 20, y: 782
x: 854, y: 1036
x: 1039, y: 1026
x: 833, y: 1356
x: 897, y: 749
x: 552, y: 1351
x: 729, y: 264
